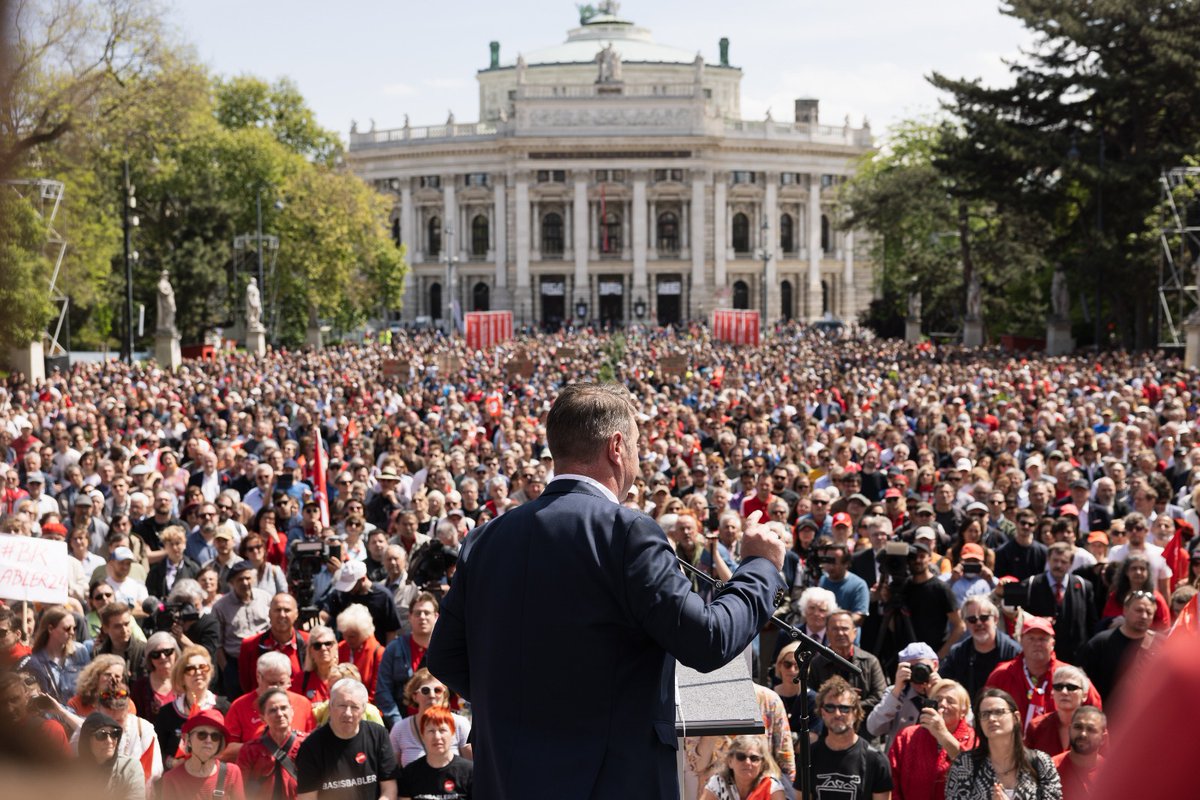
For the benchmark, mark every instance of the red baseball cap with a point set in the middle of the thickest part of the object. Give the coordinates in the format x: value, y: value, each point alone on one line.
x: 890, y: 493
x: 1037, y: 625
x: 972, y: 550
x: 842, y: 518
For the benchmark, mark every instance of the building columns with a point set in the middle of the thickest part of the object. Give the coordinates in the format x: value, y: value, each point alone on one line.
x: 580, y: 227
x: 770, y: 246
x: 848, y: 292
x: 522, y: 302
x: 700, y: 288
x: 500, y: 227
x: 638, y: 212
x: 720, y: 217
x: 813, y: 311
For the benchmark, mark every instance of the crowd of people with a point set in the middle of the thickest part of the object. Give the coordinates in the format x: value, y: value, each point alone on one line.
x: 258, y: 549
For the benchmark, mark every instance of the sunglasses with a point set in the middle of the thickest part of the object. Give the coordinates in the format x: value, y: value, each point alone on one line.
x: 115, y: 694
x: 820, y: 502
x: 1067, y: 687
x: 157, y: 654
x: 207, y: 736
x: 432, y: 691
x: 973, y: 620
x: 321, y: 645
x: 105, y: 734
x: 193, y: 669
x: 753, y: 758
x: 833, y: 708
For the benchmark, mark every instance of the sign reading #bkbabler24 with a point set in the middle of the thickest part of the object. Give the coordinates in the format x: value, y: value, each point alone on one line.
x: 33, y: 569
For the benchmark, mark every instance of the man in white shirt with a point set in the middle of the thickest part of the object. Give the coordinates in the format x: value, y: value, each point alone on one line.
x: 126, y: 589
x: 1137, y: 529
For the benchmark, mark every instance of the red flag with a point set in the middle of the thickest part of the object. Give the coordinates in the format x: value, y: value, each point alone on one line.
x: 1188, y: 620
x: 319, y: 482
x: 1177, y: 556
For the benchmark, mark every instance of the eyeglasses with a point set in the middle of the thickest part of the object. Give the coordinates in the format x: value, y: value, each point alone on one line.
x: 753, y: 758
x: 820, y: 502
x: 834, y: 708
x: 193, y: 669
x: 1067, y: 687
x: 321, y: 645
x: 254, y: 548
x: 114, y: 694
x: 789, y: 664
x: 432, y: 691
x: 207, y: 736
x: 974, y: 620
x: 104, y: 734
x: 994, y: 713
x: 157, y: 654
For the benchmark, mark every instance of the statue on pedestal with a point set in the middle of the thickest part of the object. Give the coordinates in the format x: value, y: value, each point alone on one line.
x: 974, y: 299
x: 253, y: 307
x: 610, y: 65
x: 166, y: 304
x: 1060, y: 295
x: 914, y: 305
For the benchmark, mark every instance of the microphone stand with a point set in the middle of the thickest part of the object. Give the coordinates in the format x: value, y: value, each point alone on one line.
x: 809, y: 647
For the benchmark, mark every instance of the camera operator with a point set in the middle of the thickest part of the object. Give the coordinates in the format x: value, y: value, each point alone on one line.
x: 433, y: 563
x: 313, y: 564
x: 902, y: 702
x: 181, y: 617
x: 354, y: 586
x: 932, y: 608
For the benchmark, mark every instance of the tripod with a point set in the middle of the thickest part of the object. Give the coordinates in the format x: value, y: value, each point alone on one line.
x: 809, y: 647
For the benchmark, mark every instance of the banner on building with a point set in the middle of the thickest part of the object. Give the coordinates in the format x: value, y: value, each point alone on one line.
x: 738, y: 327
x: 488, y: 328
x: 33, y: 569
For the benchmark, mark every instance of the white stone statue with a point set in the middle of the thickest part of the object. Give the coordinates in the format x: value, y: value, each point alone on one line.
x: 166, y: 304
x: 1060, y: 295
x: 610, y: 65
x: 253, y: 307
x: 521, y: 66
x: 914, y: 305
x: 974, y: 299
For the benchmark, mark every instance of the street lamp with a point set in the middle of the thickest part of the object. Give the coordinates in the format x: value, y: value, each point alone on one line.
x: 581, y: 309
x: 451, y: 262
x: 639, y: 308
x: 766, y: 258
x: 262, y: 286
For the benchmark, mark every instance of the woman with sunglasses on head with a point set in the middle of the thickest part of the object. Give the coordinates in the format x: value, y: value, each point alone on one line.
x: 202, y: 774
x: 190, y: 678
x: 138, y: 738
x: 320, y: 659
x: 154, y: 689
x: 99, y: 745
x: 1000, y: 767
x: 424, y: 692
x: 750, y: 773
x: 1051, y: 732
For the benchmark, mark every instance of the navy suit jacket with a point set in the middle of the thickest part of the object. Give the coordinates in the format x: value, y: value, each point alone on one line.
x: 562, y: 628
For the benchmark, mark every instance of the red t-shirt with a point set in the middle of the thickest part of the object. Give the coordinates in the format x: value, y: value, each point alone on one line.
x: 245, y: 723
x: 367, y: 658
x: 1076, y: 784
x: 756, y: 503
x: 311, y: 686
x: 254, y: 646
x: 178, y: 784
x: 1042, y: 734
x: 257, y: 763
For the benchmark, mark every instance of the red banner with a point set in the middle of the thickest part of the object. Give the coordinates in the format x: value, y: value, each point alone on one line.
x: 738, y: 327
x: 488, y: 328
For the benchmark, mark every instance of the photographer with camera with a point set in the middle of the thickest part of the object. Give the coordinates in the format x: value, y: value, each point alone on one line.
x: 903, y: 701
x: 433, y: 563
x: 181, y: 616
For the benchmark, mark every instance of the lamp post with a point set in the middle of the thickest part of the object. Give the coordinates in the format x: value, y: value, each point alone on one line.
x: 451, y: 262
x: 766, y: 259
x: 639, y: 308
x: 581, y: 309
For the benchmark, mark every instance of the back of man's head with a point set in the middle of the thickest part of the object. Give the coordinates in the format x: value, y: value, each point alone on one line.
x: 584, y: 418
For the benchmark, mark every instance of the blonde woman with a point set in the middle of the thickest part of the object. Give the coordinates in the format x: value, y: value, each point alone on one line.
x: 749, y: 774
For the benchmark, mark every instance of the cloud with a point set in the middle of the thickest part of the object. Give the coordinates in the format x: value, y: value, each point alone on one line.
x: 447, y: 83
x: 397, y: 90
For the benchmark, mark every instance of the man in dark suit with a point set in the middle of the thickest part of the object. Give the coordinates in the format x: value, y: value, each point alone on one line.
x: 1065, y: 598
x: 567, y: 614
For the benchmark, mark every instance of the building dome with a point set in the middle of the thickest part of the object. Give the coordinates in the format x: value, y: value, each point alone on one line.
x: 634, y: 45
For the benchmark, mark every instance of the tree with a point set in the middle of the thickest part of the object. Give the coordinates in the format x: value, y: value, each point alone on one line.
x: 1108, y: 97
x: 248, y: 102
x: 24, y: 271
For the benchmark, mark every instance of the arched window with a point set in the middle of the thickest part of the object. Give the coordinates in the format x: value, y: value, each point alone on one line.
x: 787, y: 238
x: 435, y: 236
x: 479, y: 235
x: 741, y: 295
x: 826, y: 240
x: 610, y: 234
x: 785, y: 300
x: 396, y: 231
x: 741, y: 233
x: 435, y: 301
x: 668, y: 232
x: 552, y: 235
x: 480, y: 297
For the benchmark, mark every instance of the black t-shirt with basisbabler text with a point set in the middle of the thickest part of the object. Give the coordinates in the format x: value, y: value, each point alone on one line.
x: 345, y: 769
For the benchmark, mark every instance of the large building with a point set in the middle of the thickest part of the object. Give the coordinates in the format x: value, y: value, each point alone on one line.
x: 614, y: 177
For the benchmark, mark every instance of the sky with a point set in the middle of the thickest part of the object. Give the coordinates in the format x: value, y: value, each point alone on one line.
x: 373, y: 60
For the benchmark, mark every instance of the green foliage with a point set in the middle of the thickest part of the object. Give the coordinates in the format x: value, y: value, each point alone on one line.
x: 24, y: 271
x: 247, y: 102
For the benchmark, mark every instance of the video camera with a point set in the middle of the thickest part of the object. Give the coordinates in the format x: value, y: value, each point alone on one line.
x: 895, y: 570
x: 431, y: 562
x: 169, y: 615
x: 308, y: 557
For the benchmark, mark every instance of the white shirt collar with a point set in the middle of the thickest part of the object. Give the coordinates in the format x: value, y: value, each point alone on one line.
x: 567, y: 476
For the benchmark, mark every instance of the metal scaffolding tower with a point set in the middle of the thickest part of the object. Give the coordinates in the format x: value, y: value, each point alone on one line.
x: 46, y: 197
x: 1179, y: 238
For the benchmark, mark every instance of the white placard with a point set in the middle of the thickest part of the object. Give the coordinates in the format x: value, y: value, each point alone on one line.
x: 33, y: 569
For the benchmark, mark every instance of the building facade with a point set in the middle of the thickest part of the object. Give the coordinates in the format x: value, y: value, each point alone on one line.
x: 613, y: 178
